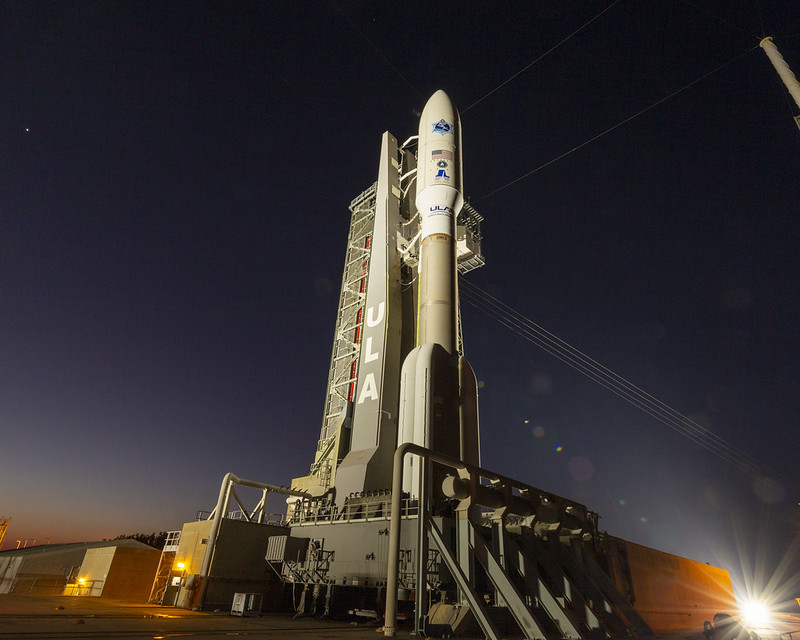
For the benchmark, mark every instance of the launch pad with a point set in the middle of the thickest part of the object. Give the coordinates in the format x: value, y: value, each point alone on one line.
x: 396, y: 517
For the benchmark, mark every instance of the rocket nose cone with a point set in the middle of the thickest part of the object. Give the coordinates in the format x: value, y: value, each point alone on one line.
x: 438, y: 101
x: 438, y: 108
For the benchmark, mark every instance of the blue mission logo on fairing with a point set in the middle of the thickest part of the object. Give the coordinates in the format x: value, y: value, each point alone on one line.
x: 443, y: 127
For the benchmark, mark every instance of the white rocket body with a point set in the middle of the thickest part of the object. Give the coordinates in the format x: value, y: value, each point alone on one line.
x: 439, y: 200
x: 439, y: 172
x: 438, y: 391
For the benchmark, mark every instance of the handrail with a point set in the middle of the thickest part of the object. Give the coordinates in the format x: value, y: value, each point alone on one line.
x: 364, y: 512
x: 390, y: 616
x: 482, y: 494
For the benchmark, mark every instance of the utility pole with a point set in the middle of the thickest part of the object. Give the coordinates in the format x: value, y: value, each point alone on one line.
x: 789, y: 79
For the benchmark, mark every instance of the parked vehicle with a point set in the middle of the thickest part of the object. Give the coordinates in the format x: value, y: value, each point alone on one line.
x: 725, y: 627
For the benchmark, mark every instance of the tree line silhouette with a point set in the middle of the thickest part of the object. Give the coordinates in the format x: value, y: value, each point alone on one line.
x: 156, y: 540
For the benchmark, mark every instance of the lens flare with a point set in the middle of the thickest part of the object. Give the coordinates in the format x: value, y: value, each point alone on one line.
x: 755, y: 614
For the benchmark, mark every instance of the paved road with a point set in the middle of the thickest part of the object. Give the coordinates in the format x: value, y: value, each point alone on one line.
x: 73, y: 618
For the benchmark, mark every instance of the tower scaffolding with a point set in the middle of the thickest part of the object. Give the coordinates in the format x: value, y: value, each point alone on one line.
x: 343, y: 370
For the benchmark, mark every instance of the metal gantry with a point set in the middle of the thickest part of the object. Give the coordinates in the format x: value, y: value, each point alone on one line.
x: 343, y: 371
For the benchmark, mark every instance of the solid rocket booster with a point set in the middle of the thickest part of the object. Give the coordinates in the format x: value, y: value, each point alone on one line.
x: 439, y: 200
x: 438, y: 390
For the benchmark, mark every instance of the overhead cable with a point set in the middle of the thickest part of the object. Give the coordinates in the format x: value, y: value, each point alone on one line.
x: 616, y: 126
x: 541, y: 57
x: 592, y: 369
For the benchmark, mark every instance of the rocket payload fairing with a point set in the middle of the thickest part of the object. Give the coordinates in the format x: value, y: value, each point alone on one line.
x: 438, y: 390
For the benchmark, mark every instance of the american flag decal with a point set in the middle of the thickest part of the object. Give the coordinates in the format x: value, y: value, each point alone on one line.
x: 444, y: 154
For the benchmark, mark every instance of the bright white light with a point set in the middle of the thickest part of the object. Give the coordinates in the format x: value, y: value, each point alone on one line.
x: 755, y: 614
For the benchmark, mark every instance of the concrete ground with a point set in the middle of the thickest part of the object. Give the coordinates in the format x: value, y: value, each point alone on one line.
x: 73, y: 618
x: 24, y: 617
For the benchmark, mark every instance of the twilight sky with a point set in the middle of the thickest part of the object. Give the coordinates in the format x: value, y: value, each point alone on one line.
x: 174, y: 183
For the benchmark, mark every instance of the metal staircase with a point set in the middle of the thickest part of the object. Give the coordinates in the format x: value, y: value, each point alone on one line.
x: 165, y: 564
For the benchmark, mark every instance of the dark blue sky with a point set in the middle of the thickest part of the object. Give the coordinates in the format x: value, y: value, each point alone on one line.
x: 174, y: 183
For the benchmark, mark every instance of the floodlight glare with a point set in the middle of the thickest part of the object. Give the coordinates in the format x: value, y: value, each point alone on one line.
x: 755, y: 614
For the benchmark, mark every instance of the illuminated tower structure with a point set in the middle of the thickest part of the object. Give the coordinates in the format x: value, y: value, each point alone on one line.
x: 376, y: 328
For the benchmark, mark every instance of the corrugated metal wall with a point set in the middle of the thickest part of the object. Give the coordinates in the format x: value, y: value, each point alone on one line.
x: 672, y: 593
x: 47, y: 570
x: 46, y: 573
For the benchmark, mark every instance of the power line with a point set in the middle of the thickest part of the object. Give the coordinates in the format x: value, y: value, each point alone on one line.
x: 723, y: 20
x: 592, y: 369
x: 616, y: 126
x: 378, y: 50
x: 541, y: 57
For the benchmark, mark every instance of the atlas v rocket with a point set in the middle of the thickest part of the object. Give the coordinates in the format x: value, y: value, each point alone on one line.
x: 438, y: 391
x: 397, y: 372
